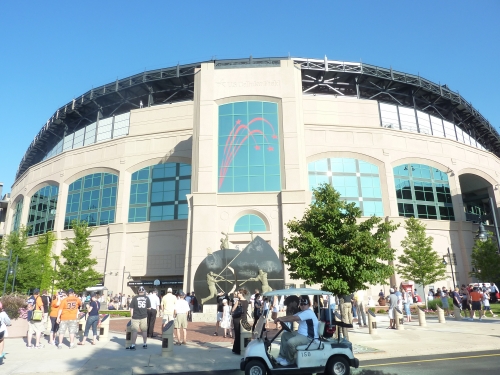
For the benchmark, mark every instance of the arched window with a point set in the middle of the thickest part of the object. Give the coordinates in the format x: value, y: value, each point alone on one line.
x: 16, y: 216
x: 158, y: 192
x: 356, y: 180
x: 43, y: 206
x: 249, y: 147
x: 249, y: 223
x: 92, y: 199
x: 423, y: 192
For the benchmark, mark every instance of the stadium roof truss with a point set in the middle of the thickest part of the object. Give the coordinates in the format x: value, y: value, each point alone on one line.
x: 319, y: 77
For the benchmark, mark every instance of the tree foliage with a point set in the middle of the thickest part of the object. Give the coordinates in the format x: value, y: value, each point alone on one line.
x: 419, y: 262
x: 75, y: 266
x: 43, y: 249
x: 485, y: 261
x: 332, y: 247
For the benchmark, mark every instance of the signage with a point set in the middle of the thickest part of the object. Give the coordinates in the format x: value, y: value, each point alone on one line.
x: 100, y: 282
x: 154, y: 283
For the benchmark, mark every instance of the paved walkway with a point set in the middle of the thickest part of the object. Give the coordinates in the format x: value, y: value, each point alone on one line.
x: 215, y: 354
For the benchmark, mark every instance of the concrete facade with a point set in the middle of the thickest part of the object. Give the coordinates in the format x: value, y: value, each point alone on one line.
x: 312, y: 127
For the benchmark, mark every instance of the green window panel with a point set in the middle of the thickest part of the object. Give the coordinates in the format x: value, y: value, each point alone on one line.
x: 249, y: 223
x: 158, y: 192
x: 357, y: 182
x: 92, y: 199
x: 16, y: 217
x: 249, y: 147
x: 423, y: 192
x: 43, y: 206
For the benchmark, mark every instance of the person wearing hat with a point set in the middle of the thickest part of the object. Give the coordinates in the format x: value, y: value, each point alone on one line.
x: 308, y: 329
x: 139, y: 307
x: 167, y: 306
x: 67, y: 318
x: 92, y: 319
x: 35, y: 303
x: 181, y: 311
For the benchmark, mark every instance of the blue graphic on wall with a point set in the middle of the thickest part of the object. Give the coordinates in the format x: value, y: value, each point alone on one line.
x: 255, y: 267
x: 249, y: 149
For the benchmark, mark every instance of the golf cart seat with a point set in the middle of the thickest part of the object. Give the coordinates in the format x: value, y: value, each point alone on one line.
x: 315, y: 343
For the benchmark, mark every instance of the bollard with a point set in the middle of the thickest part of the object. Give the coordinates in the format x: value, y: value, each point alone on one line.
x: 167, y: 339
x: 372, y: 322
x: 103, y: 330
x: 421, y: 317
x: 245, y: 335
x: 81, y: 324
x: 440, y: 315
x: 398, y: 318
x: 457, y: 312
x: 128, y: 336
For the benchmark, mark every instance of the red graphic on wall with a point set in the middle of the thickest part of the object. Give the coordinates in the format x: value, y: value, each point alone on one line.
x: 240, y: 134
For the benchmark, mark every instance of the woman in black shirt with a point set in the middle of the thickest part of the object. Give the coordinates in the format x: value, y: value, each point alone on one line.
x: 239, y: 300
x: 92, y: 319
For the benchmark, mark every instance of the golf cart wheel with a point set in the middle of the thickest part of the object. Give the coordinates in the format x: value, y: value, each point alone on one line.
x: 338, y: 365
x: 255, y: 367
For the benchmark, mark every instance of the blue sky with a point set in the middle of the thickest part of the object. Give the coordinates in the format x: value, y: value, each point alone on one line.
x: 53, y: 51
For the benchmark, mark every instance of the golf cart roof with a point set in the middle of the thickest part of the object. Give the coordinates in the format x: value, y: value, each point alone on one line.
x: 296, y: 291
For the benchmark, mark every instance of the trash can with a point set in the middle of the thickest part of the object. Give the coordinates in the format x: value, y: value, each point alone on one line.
x: 104, y: 328
x: 399, y: 320
x: 167, y: 339
x: 128, y: 335
x: 372, y: 322
x: 245, y: 335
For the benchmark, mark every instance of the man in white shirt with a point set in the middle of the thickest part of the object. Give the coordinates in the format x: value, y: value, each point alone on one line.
x: 155, y: 303
x: 181, y: 310
x: 308, y: 330
x: 167, y: 306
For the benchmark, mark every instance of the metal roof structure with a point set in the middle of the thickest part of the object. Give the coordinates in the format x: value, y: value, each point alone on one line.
x: 319, y: 77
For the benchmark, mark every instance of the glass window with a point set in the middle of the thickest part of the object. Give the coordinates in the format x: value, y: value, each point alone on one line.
x: 92, y: 198
x: 423, y: 192
x: 249, y: 149
x: 16, y: 217
x: 249, y: 223
x: 43, y: 206
x: 357, y: 182
x: 158, y: 192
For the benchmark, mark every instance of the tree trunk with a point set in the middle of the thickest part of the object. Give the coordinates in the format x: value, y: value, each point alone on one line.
x: 425, y: 296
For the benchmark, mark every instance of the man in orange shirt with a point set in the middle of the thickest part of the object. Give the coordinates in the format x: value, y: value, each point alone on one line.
x: 35, y: 303
x: 67, y: 318
x: 475, y: 297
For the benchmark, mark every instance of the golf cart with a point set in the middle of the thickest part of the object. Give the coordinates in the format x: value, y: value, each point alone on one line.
x: 330, y: 356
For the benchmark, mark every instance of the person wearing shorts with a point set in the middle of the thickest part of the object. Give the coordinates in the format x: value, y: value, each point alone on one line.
x: 139, y: 307
x: 486, y: 305
x: 476, y: 297
x: 37, y: 327
x: 167, y: 306
x: 67, y: 318
x: 54, y: 311
x: 181, y: 311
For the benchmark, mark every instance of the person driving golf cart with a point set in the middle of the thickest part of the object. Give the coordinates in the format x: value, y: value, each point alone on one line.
x: 308, y: 323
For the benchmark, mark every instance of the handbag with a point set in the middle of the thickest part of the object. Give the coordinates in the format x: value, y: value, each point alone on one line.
x: 36, y: 315
x: 238, y: 311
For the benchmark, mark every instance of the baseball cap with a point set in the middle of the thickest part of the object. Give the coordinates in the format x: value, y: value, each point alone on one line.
x: 392, y: 290
x: 169, y: 290
x: 36, y: 291
x: 71, y: 290
x: 141, y: 289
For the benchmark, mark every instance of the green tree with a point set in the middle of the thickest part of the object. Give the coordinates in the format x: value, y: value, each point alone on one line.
x: 28, y: 271
x: 75, y: 266
x: 485, y: 261
x: 331, y: 246
x: 43, y: 250
x: 419, y: 262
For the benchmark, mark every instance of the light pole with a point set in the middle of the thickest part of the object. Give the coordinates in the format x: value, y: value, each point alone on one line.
x: 452, y: 260
x: 15, y: 271
x: 123, y: 281
x: 7, y: 271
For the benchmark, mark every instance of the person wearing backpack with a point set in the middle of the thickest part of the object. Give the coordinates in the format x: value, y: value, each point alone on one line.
x: 4, y: 322
x: 35, y: 319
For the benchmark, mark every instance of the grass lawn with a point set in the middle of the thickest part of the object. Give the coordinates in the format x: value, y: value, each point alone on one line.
x: 495, y: 307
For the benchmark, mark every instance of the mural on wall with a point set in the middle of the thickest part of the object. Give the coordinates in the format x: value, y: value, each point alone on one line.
x: 255, y: 267
x: 249, y: 151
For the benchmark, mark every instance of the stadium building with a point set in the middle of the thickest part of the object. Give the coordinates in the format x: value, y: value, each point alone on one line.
x: 175, y: 166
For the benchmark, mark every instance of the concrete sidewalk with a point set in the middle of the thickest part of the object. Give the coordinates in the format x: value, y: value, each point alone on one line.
x: 112, y: 358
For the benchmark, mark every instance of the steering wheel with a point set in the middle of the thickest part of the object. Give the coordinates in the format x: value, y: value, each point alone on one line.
x: 285, y: 326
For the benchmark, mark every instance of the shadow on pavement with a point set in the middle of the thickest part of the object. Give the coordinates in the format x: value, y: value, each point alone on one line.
x: 370, y: 372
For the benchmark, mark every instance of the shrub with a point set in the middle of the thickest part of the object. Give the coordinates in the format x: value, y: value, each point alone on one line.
x: 431, y: 305
x: 14, y: 305
x: 381, y: 311
x: 372, y: 309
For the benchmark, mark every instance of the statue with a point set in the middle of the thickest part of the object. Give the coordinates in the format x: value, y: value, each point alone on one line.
x: 263, y: 279
x: 251, y: 235
x: 212, y: 279
x: 224, y: 242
